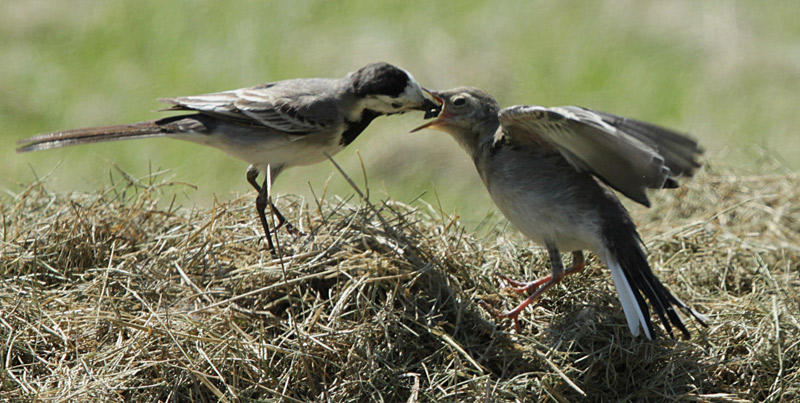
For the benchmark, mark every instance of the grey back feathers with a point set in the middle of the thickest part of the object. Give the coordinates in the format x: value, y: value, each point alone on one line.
x: 297, y: 106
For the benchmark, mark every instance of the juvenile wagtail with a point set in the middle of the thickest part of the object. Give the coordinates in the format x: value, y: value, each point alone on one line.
x: 550, y: 172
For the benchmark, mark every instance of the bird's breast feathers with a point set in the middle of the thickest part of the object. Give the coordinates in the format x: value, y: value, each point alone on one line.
x: 540, y: 203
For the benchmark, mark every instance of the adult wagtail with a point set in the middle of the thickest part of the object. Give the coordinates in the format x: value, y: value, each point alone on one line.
x: 272, y: 126
x: 550, y: 170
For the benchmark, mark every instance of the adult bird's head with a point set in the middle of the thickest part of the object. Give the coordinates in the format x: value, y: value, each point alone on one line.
x: 466, y: 113
x: 388, y: 89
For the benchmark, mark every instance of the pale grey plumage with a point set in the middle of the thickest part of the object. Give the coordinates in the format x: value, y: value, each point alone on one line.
x: 276, y: 125
x: 541, y: 167
x: 283, y: 106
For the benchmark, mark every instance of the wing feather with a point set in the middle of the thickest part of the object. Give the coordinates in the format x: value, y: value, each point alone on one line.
x: 680, y: 152
x: 628, y: 155
x: 273, y: 105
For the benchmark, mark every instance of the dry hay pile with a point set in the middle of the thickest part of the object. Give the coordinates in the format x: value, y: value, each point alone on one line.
x: 113, y: 296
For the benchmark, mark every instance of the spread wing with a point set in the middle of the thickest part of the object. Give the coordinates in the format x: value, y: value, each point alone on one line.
x: 626, y: 154
x: 679, y: 151
x: 293, y: 106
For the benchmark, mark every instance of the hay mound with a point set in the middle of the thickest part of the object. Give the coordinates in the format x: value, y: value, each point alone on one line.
x: 114, y: 296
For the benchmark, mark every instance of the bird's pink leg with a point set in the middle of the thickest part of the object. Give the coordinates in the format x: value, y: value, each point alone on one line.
x: 521, y: 287
x: 540, y: 286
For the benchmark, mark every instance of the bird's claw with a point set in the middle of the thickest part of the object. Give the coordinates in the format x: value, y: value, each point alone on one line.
x: 291, y: 229
x: 502, y: 315
x: 510, y: 315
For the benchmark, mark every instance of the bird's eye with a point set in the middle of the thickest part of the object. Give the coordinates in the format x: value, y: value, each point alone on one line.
x: 459, y: 101
x: 395, y: 105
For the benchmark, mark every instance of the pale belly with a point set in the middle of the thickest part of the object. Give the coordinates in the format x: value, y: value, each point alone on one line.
x: 262, y: 150
x: 545, y: 207
x: 548, y: 225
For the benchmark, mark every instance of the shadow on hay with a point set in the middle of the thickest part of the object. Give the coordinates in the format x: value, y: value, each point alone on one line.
x: 126, y: 299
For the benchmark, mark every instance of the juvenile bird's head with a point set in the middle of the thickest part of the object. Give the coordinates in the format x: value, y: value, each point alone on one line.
x: 467, y: 114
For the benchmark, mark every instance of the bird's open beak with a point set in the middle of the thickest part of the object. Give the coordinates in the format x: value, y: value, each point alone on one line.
x: 430, y: 104
x: 434, y: 110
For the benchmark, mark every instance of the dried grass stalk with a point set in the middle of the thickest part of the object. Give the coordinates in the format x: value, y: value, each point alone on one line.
x: 114, y: 296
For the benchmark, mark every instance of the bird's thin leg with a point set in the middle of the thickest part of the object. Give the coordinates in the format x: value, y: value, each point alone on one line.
x: 281, y: 219
x: 261, y: 205
x: 544, y: 284
x: 252, y: 174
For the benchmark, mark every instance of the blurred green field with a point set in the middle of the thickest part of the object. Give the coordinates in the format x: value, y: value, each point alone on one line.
x: 726, y: 71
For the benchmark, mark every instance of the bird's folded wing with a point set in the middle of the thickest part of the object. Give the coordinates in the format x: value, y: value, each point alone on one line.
x: 590, y: 144
x: 266, y: 105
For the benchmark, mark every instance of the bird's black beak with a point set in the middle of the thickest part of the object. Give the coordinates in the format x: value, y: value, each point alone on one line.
x: 433, y: 112
x: 429, y: 106
x: 432, y: 105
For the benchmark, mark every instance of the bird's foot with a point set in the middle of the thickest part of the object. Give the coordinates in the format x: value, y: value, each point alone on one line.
x: 283, y: 222
x: 291, y: 229
x: 496, y: 314
x: 537, y: 288
x: 541, y: 286
x: 522, y: 287
x: 512, y: 314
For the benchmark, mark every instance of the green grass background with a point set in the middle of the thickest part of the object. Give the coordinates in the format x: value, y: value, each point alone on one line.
x: 728, y: 72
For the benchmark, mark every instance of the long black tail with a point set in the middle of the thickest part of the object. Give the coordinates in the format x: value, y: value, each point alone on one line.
x: 638, y: 281
x: 150, y: 128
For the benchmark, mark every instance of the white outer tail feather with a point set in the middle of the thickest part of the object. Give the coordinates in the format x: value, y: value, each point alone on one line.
x: 633, y: 313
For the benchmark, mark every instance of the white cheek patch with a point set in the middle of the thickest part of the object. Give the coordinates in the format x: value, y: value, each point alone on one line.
x: 379, y: 103
x: 383, y: 103
x: 411, y: 95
